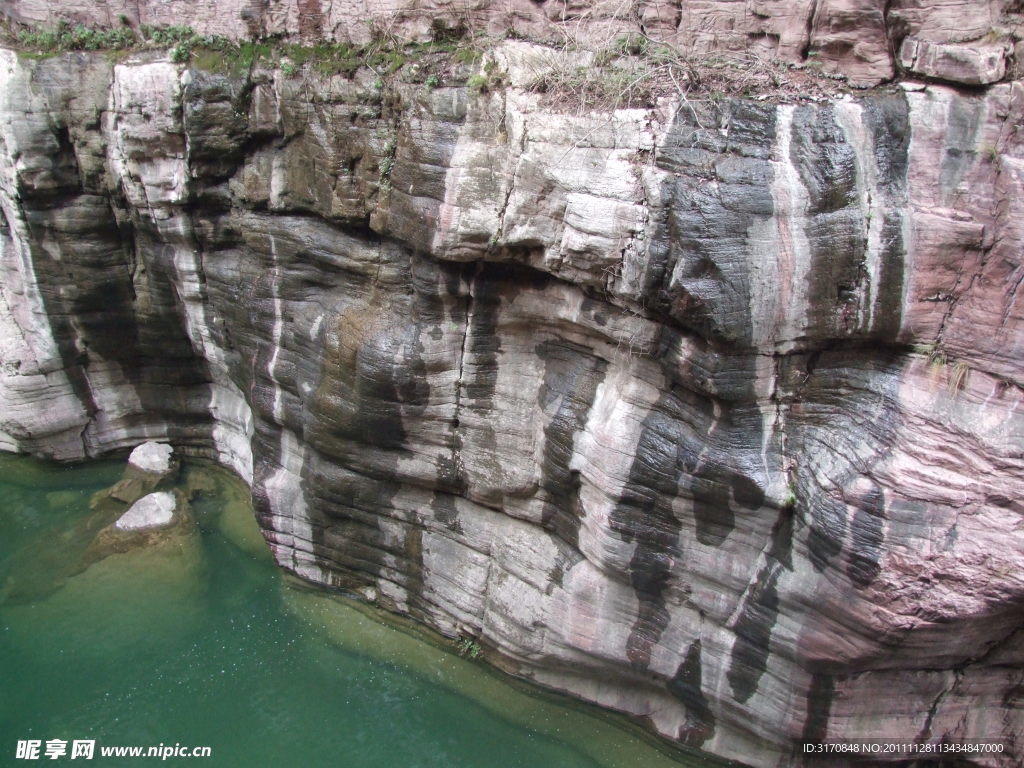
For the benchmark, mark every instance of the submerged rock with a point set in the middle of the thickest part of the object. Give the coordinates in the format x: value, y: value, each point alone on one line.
x: 160, y: 519
x: 150, y: 466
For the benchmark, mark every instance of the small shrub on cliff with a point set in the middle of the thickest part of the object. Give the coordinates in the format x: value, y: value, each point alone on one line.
x: 65, y: 37
x: 167, y: 35
x: 468, y: 648
x: 180, y: 53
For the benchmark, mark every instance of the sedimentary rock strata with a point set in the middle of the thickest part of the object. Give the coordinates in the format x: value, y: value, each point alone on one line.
x: 708, y: 412
x: 859, y: 39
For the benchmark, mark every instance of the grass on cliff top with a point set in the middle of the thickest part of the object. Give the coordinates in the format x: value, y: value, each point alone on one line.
x: 635, y: 71
x: 385, y: 54
x: 631, y: 70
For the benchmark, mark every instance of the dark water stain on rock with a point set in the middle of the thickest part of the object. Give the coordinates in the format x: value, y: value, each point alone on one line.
x: 887, y: 117
x: 373, y: 377
x: 827, y: 167
x: 697, y: 271
x: 483, y: 344
x: 97, y: 318
x: 866, y: 537
x: 644, y: 516
x: 827, y: 529
x: 753, y: 627
x: 687, y: 686
x: 819, y: 705
x: 572, y: 374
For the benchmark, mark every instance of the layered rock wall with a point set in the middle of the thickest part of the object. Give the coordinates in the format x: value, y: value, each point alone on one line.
x: 860, y: 39
x: 709, y: 413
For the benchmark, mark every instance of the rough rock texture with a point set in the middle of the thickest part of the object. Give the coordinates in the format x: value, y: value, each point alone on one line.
x: 858, y: 38
x: 155, y: 510
x: 954, y: 63
x: 151, y: 465
x: 153, y: 457
x: 708, y: 414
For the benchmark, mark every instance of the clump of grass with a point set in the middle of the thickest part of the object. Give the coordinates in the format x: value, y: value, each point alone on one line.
x: 467, y: 55
x: 469, y: 648
x: 958, y: 378
x: 78, y: 37
x: 636, y: 70
x: 167, y: 36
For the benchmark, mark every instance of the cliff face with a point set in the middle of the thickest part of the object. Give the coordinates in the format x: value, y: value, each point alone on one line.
x: 860, y: 39
x: 709, y: 413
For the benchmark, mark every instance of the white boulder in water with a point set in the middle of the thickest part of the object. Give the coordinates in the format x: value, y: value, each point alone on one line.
x: 152, y: 457
x: 155, y: 510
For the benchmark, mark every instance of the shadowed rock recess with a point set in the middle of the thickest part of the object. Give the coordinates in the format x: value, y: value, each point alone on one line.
x: 709, y: 414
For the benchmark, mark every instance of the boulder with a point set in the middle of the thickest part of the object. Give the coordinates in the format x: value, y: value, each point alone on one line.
x: 157, y: 458
x: 150, y: 465
x: 966, y: 64
x: 155, y: 510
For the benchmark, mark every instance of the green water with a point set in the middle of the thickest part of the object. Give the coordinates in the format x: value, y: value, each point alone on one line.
x: 204, y: 644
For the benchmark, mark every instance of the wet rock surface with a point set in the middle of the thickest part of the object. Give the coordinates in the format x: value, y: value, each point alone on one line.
x: 709, y: 414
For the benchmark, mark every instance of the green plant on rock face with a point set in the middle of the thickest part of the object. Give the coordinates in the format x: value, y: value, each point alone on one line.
x: 789, y: 500
x: 477, y: 83
x: 466, y: 55
x: 432, y: 82
x: 468, y: 648
x: 288, y: 68
x: 65, y: 37
x: 167, y: 35
x: 180, y: 53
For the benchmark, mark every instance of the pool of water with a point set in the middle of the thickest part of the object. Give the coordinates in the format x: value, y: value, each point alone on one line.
x: 203, y: 643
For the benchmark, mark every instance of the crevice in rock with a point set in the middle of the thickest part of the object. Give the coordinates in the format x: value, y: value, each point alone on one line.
x: 805, y: 52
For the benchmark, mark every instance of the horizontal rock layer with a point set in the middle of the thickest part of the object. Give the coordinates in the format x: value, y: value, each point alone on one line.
x: 857, y: 38
x: 708, y: 413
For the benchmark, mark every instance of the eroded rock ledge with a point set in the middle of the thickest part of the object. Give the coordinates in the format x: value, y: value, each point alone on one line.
x: 859, y: 39
x: 707, y: 413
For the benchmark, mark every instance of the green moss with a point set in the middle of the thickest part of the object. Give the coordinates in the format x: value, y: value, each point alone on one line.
x: 477, y: 83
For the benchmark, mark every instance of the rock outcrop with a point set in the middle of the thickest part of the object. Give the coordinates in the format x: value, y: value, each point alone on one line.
x: 709, y: 413
x: 150, y: 466
x: 856, y: 38
x: 154, y: 510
